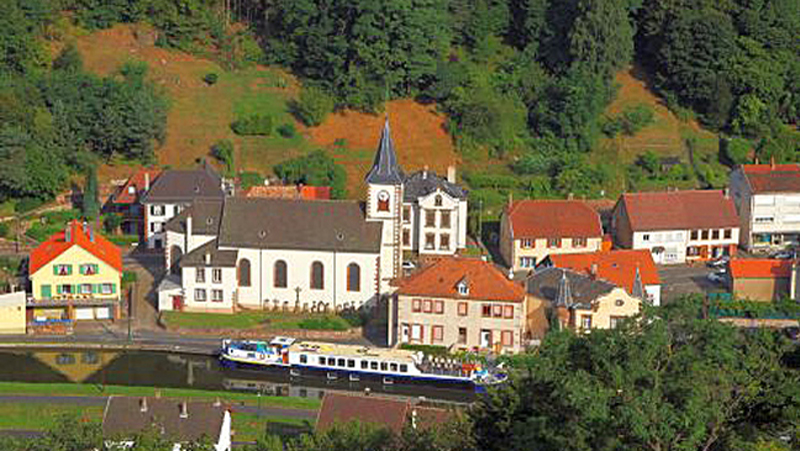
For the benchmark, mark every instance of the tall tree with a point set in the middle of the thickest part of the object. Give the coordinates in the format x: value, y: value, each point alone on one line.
x: 91, y: 203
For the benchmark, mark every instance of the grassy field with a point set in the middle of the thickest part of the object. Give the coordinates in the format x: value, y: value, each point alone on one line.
x: 20, y: 388
x: 41, y: 416
x: 248, y: 427
x: 250, y: 320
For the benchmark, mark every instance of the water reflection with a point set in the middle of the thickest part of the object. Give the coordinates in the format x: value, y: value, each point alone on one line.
x: 183, y: 371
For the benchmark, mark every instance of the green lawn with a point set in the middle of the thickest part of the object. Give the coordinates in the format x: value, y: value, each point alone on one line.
x: 248, y: 427
x: 249, y: 320
x: 19, y: 388
x: 41, y: 416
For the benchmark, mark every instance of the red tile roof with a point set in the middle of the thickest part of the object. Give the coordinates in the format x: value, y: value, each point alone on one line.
x: 617, y: 267
x: 57, y: 245
x: 760, y: 268
x: 553, y: 219
x: 290, y: 192
x: 137, y: 181
x: 441, y: 279
x: 767, y: 178
x: 391, y: 413
x: 679, y: 210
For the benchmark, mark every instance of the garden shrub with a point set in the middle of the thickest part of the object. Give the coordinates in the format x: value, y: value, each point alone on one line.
x: 312, y: 106
x: 253, y: 124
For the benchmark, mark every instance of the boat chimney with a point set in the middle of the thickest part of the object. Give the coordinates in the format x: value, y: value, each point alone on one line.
x: 143, y: 405
x: 184, y: 410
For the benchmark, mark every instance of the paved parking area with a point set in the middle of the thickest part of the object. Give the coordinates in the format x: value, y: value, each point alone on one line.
x: 680, y: 280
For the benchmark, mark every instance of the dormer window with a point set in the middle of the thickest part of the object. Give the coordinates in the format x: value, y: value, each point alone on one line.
x: 463, y: 288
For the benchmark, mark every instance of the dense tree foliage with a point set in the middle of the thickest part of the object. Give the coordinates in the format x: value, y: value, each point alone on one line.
x: 316, y: 169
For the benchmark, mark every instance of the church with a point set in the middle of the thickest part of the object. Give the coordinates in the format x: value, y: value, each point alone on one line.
x: 236, y: 252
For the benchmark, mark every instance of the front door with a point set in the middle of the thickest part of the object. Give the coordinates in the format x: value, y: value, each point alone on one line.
x: 486, y: 338
x: 405, y: 333
x: 177, y: 303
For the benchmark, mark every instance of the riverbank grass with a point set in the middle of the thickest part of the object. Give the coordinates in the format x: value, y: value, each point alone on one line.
x: 252, y: 320
x: 42, y: 416
x: 63, y: 389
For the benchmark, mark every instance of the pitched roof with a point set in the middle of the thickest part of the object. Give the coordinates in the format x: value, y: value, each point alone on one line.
x: 388, y: 412
x: 385, y: 169
x: 441, y: 279
x: 298, y: 224
x: 547, y: 283
x: 135, y: 186
x: 679, y: 210
x: 768, y: 178
x: 79, y: 235
x: 185, y: 186
x: 123, y: 417
x: 618, y: 266
x: 760, y: 268
x: 553, y: 219
x: 422, y: 183
x: 206, y: 215
x: 218, y: 258
x: 290, y: 192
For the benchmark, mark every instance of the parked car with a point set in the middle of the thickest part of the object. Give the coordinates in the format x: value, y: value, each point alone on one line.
x: 716, y: 277
x: 720, y: 262
x: 408, y: 264
x: 783, y: 255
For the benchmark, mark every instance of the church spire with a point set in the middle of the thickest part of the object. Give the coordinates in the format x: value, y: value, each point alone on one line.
x: 385, y: 170
x: 564, y: 294
x: 638, y: 287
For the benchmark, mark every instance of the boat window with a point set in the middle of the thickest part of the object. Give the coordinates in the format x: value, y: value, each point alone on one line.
x: 351, y: 363
x: 384, y: 366
x: 251, y: 355
x: 393, y: 367
x: 341, y: 362
x: 322, y: 360
x: 303, y: 358
x: 373, y: 365
x: 364, y: 364
x: 403, y: 368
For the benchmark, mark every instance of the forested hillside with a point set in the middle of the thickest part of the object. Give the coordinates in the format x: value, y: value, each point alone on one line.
x: 525, y: 83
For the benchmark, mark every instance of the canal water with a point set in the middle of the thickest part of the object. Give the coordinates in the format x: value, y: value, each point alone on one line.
x: 163, y: 370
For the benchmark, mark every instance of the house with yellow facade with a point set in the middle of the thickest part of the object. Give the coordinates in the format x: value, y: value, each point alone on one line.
x: 75, y: 275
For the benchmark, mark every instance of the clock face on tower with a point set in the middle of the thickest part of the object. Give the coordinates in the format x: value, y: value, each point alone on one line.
x: 383, y: 201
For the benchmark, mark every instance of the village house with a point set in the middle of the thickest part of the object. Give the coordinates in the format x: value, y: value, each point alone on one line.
x: 582, y: 302
x: 171, y: 193
x: 466, y: 304
x: 76, y: 275
x: 624, y: 268
x: 127, y: 201
x: 181, y: 422
x: 530, y: 230
x: 760, y: 279
x: 392, y: 414
x: 12, y: 313
x: 677, y: 226
x: 767, y: 198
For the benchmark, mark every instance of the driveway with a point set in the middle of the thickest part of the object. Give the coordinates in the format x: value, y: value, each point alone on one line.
x: 680, y: 280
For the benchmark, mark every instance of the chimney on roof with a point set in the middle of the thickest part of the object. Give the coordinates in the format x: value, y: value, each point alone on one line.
x: 208, y: 258
x: 451, y: 174
x: 425, y: 172
x: 593, y: 270
x: 755, y: 160
x: 772, y: 163
x: 189, y: 233
x: 414, y: 418
x: 570, y: 196
x: 68, y: 233
x: 143, y: 405
x: 184, y: 409
x: 146, y: 180
x: 726, y: 192
x: 91, y: 234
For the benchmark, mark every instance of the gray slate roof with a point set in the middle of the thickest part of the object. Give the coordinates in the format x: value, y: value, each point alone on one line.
x: 298, y: 224
x: 583, y: 290
x: 124, y: 418
x: 219, y: 258
x: 176, y: 186
x: 422, y: 183
x: 206, y: 215
x: 385, y: 169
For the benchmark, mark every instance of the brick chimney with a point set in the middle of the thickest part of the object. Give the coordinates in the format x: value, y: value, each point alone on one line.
x: 593, y: 271
x: 147, y: 181
x: 772, y: 163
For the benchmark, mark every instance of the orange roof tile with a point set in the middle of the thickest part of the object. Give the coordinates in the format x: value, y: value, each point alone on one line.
x: 762, y: 268
x: 137, y: 181
x: 553, y: 219
x: 617, y: 267
x: 57, y: 245
x: 441, y: 279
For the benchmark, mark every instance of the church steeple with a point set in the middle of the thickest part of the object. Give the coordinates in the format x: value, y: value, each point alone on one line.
x: 385, y: 170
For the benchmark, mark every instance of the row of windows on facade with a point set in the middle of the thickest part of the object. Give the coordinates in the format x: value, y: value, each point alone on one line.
x: 200, y: 295
x: 487, y: 310
x: 161, y: 210
x: 694, y: 235
x: 530, y: 243
x: 351, y: 363
x: 430, y: 240
x: 281, y: 275
x: 83, y: 288
x: 383, y: 204
x: 417, y: 334
x: 85, y: 269
x: 430, y: 218
x: 770, y: 219
x: 614, y: 321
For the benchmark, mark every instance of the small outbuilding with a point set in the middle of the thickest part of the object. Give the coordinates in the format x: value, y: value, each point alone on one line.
x: 12, y: 313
